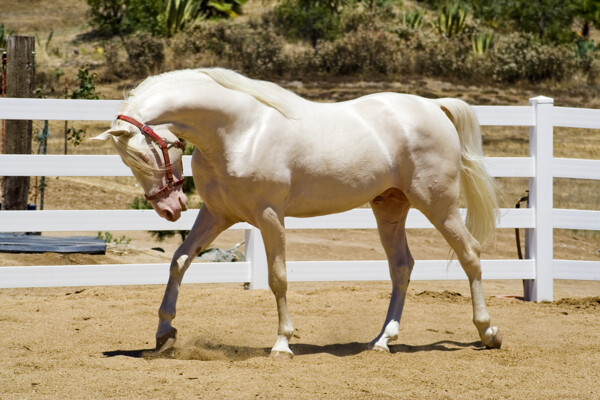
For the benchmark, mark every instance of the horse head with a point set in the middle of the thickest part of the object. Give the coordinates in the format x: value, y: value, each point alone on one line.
x: 154, y: 156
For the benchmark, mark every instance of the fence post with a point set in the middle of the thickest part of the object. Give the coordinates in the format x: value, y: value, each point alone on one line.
x: 17, y: 140
x: 256, y: 255
x: 539, y: 245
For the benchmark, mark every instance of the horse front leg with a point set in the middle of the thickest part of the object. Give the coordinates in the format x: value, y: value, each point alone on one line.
x: 206, y: 228
x: 273, y: 233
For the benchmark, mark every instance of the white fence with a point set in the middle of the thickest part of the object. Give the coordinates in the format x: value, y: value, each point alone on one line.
x: 540, y: 269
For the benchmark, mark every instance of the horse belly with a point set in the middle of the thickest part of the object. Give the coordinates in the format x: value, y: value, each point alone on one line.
x: 321, y: 195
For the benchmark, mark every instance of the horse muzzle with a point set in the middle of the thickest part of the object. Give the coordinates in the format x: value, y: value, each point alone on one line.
x: 171, y: 205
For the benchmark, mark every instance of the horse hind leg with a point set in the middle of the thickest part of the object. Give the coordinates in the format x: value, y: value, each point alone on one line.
x: 391, y: 209
x: 272, y: 230
x: 447, y: 219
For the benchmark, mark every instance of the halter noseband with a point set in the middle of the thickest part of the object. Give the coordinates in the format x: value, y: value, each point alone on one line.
x: 146, y: 130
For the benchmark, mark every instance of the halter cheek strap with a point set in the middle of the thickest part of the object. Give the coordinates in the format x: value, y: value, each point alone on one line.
x: 146, y: 130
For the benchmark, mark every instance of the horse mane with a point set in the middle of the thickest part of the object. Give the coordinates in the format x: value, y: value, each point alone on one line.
x: 270, y: 94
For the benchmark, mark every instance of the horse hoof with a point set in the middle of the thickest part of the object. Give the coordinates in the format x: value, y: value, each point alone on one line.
x: 492, y: 339
x: 166, y: 341
x: 380, y: 348
x: 281, y: 355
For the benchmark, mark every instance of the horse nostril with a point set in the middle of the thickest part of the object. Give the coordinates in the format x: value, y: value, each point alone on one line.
x: 169, y: 215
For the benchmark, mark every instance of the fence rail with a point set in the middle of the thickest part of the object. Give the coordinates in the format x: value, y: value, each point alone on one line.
x: 539, y: 220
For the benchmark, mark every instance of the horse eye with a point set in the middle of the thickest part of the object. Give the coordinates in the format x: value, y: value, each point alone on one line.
x: 145, y: 158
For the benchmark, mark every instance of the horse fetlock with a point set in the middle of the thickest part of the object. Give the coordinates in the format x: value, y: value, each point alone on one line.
x: 287, y: 331
x: 482, y: 323
x: 166, y: 315
x: 391, y: 330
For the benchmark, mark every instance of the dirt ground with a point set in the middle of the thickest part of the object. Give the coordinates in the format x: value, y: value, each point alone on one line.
x: 91, y: 343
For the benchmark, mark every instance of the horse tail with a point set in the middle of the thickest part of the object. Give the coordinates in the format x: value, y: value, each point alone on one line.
x: 479, y: 188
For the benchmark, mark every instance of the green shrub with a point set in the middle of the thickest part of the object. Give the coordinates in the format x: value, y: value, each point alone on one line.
x: 363, y: 51
x: 523, y: 57
x: 585, y: 53
x: 251, y: 48
x: 443, y: 58
x: 146, y: 54
x: 123, y: 17
x: 310, y: 20
x: 158, y: 17
x: 258, y: 51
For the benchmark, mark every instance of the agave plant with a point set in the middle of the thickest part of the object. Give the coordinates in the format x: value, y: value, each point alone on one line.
x: 413, y: 19
x: 482, y: 42
x: 229, y: 8
x: 452, y: 19
x: 179, y: 13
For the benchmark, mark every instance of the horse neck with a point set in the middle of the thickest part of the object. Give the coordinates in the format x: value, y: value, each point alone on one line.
x: 200, y: 115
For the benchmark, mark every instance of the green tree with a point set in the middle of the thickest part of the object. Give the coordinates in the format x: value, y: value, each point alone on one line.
x: 310, y: 20
x: 122, y: 17
x: 589, y: 12
x: 550, y: 20
x: 158, y: 17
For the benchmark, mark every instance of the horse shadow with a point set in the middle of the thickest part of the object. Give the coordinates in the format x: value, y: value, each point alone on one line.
x: 351, y: 349
x: 205, y: 351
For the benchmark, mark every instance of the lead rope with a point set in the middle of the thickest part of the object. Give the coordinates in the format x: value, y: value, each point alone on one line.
x: 517, y: 236
x: 3, y: 91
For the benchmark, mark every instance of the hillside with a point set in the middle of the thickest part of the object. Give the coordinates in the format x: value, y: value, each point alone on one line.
x: 334, y: 70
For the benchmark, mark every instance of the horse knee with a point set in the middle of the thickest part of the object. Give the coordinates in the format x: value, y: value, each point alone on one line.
x: 278, y: 282
x: 179, y: 264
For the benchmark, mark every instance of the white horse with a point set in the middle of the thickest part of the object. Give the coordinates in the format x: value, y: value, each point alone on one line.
x: 263, y: 153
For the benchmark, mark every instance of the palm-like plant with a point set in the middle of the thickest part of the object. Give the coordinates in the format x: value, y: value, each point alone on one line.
x: 179, y: 13
x: 452, y: 19
x: 482, y: 42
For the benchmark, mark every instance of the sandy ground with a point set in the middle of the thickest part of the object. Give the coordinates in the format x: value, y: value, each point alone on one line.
x: 89, y: 343
x: 95, y: 342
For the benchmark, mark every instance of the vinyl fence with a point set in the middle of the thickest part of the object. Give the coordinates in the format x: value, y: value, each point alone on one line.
x: 538, y: 270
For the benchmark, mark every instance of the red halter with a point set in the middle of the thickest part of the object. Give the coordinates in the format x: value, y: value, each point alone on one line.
x: 146, y: 130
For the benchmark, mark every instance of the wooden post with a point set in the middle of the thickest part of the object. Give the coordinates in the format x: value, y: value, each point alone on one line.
x: 17, y: 138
